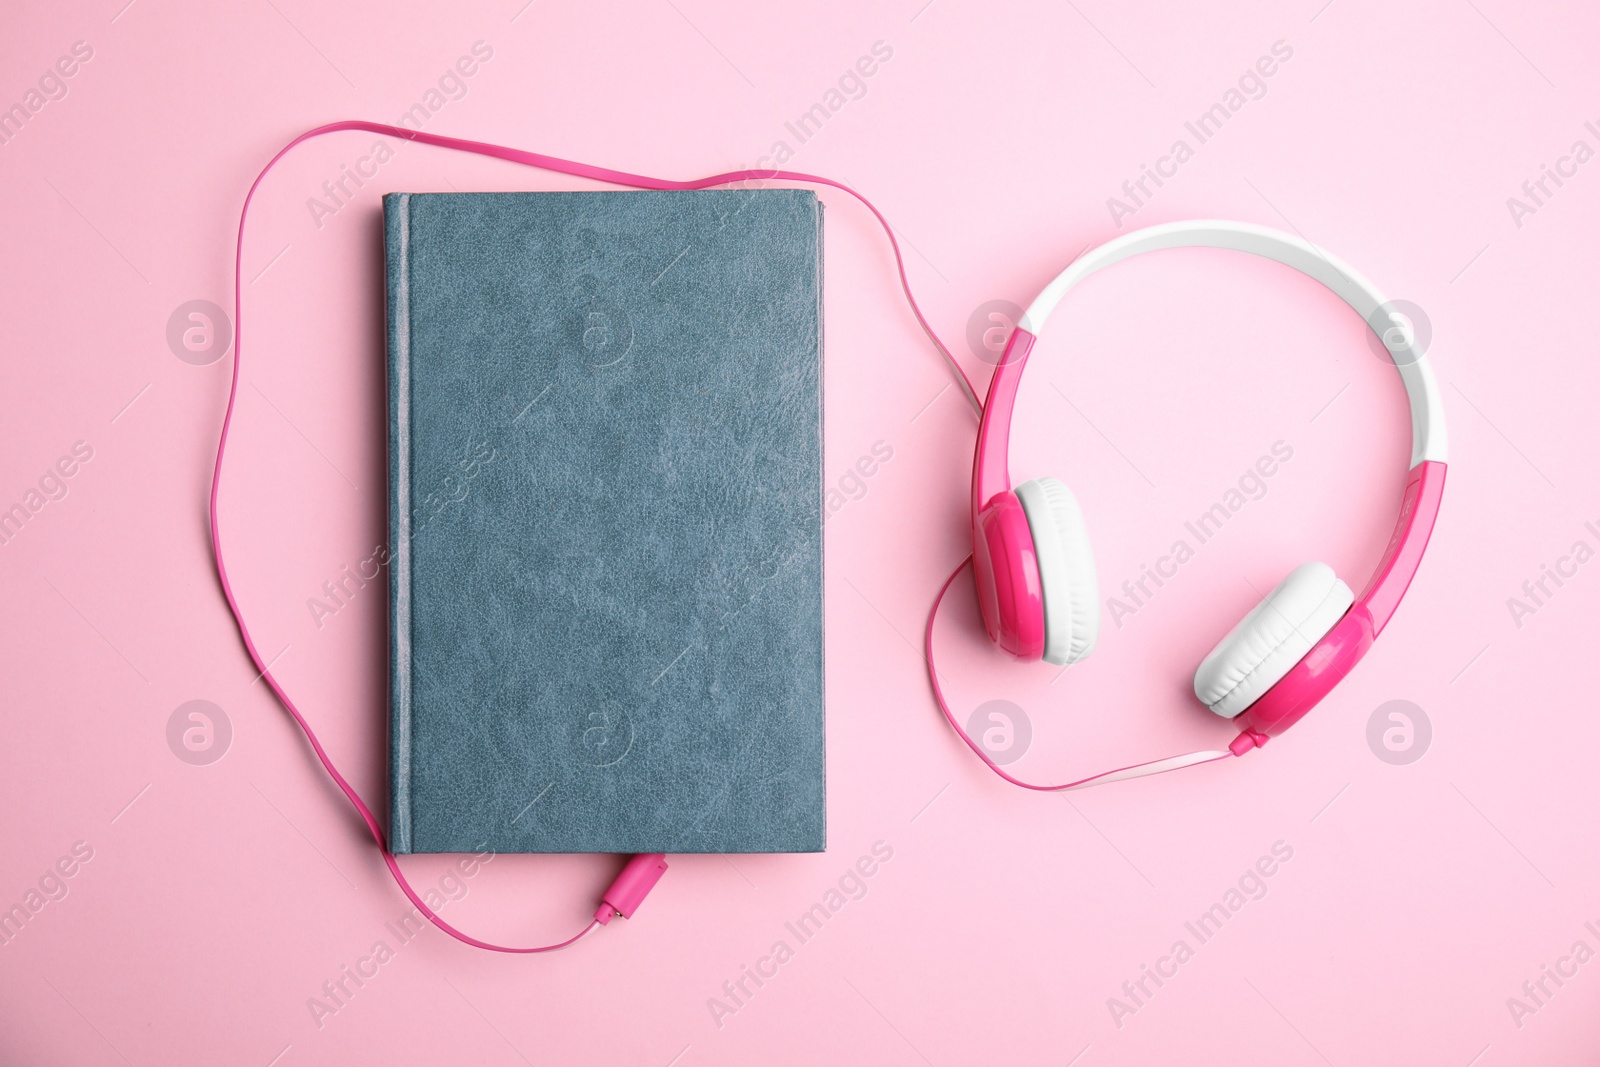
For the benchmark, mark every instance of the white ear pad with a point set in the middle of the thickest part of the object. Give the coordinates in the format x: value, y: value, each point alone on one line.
x: 1066, y: 570
x: 1270, y: 640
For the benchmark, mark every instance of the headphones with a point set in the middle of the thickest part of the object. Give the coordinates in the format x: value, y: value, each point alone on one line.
x: 1035, y: 570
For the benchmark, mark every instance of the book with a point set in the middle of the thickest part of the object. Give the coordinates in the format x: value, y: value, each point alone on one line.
x: 605, y: 521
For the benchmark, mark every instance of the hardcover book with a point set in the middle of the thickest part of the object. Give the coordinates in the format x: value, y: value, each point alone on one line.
x: 605, y: 521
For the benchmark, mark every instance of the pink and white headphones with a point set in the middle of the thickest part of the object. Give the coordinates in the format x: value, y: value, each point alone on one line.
x: 1035, y: 570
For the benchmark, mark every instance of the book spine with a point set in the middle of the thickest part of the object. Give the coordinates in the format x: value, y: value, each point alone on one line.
x: 821, y: 844
x: 397, y: 261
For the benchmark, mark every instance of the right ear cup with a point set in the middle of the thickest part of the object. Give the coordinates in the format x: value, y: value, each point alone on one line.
x: 1066, y: 570
x: 1268, y: 642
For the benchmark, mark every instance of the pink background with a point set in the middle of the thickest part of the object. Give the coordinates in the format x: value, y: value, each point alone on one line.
x: 1419, y: 898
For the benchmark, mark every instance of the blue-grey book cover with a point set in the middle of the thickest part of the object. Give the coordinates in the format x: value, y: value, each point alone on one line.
x: 605, y: 521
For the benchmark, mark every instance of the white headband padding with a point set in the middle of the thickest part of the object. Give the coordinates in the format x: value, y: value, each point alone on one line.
x: 1429, y: 440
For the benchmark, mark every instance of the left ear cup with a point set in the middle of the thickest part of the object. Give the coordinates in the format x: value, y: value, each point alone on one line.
x: 1066, y: 570
x: 1268, y: 642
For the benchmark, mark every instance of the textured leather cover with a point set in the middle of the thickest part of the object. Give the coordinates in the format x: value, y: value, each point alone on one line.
x: 605, y: 518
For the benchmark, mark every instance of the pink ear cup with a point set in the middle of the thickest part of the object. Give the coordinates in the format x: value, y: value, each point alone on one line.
x: 1005, y: 562
x: 1275, y: 636
x: 1313, y: 678
x: 1333, y: 657
x: 1006, y: 568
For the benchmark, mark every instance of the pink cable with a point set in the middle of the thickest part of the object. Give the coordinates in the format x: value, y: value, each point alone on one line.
x: 532, y: 159
x: 1133, y: 770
